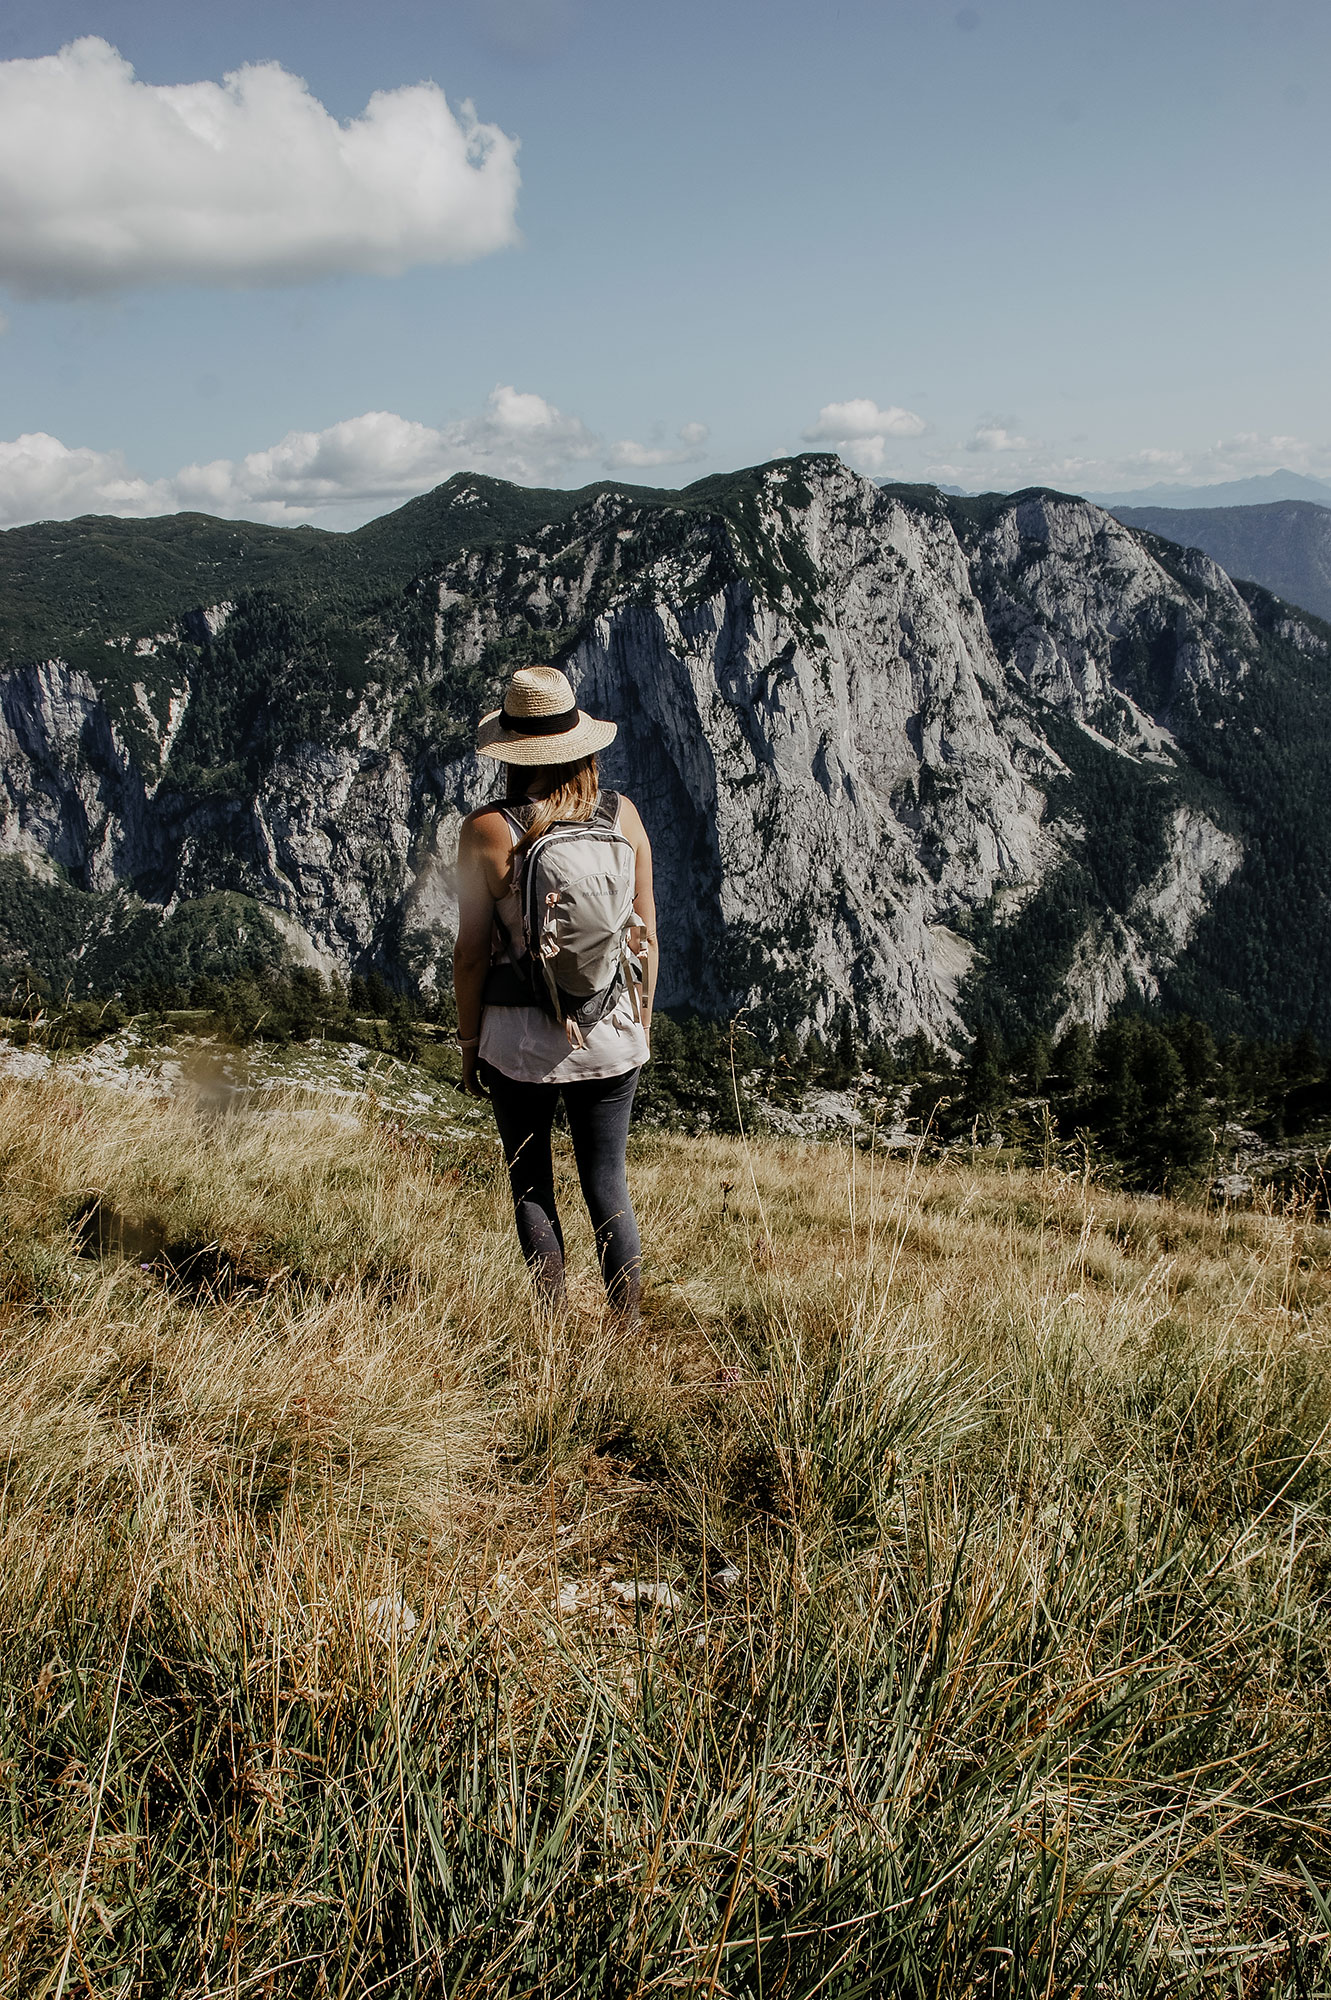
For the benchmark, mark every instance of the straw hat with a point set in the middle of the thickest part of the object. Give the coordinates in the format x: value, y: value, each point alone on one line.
x: 541, y: 723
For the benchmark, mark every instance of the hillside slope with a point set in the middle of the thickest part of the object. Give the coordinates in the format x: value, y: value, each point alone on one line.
x: 1285, y: 546
x: 959, y: 1540
x: 933, y: 759
x: 70, y: 586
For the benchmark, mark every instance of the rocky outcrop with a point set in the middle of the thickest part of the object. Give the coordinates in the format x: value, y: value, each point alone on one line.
x: 73, y: 790
x: 1121, y: 957
x: 843, y: 714
x: 1285, y: 545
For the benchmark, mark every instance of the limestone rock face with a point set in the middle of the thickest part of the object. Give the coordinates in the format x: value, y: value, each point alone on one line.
x: 1121, y: 957
x: 73, y: 793
x: 832, y: 792
x: 844, y: 713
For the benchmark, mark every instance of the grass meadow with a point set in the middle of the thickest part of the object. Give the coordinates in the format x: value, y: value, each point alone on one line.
x: 930, y: 1598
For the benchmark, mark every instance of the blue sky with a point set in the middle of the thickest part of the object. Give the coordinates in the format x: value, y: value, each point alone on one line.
x: 985, y: 244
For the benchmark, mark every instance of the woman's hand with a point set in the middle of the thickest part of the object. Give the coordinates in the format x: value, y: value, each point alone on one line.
x: 471, y: 1081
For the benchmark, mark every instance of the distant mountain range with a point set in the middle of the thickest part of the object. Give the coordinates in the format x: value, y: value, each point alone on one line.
x: 930, y: 760
x: 1255, y: 492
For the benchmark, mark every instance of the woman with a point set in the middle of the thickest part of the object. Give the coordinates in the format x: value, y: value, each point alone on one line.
x: 515, y: 1052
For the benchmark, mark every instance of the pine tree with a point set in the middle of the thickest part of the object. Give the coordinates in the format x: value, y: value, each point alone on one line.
x: 987, y: 1091
x: 1074, y: 1062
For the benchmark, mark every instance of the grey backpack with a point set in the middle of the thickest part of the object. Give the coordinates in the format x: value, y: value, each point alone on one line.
x: 577, y: 954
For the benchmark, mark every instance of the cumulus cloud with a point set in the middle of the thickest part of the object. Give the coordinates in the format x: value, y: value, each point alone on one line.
x: 997, y: 437
x: 106, y: 182
x: 845, y: 423
x: 42, y: 479
x: 354, y: 468
x: 338, y: 477
x: 626, y: 454
x: 860, y: 427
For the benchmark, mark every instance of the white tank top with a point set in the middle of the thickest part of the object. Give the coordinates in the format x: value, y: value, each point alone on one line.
x: 525, y: 1044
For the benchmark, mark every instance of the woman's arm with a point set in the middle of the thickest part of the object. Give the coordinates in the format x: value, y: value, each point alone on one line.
x: 471, y: 952
x: 644, y: 902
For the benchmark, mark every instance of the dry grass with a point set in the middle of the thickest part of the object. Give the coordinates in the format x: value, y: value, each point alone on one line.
x: 1021, y: 1687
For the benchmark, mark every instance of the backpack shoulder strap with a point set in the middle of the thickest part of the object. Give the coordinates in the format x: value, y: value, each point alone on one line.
x: 518, y: 817
x: 607, y: 810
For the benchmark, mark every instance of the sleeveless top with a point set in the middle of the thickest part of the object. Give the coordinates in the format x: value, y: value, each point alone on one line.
x: 528, y: 1046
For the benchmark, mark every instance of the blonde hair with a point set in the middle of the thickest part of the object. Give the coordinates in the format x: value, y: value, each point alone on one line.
x: 559, y: 791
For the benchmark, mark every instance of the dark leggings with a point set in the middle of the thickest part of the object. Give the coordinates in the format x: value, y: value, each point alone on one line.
x: 598, y: 1122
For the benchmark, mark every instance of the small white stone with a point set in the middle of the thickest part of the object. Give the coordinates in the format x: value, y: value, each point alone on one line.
x: 659, y: 1594
x: 389, y: 1619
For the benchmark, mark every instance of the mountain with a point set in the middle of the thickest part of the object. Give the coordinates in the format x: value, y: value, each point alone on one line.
x: 1257, y: 491
x: 71, y: 585
x: 939, y: 761
x: 1285, y: 545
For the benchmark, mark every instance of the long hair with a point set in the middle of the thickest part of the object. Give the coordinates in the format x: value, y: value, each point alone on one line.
x: 558, y: 791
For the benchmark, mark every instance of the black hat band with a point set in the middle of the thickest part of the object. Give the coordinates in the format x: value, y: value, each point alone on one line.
x: 540, y: 725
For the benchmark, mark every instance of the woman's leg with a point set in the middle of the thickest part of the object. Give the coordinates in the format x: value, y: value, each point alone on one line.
x: 523, y: 1113
x: 598, y: 1123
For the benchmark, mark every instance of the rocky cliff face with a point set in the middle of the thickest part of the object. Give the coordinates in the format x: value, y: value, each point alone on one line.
x: 1283, y: 544
x: 869, y: 731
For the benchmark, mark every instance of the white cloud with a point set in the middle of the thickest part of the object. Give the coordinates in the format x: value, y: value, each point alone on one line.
x: 626, y: 453
x: 997, y: 437
x: 356, y: 468
x: 43, y: 480
x: 861, y: 429
x: 106, y: 182
x: 860, y: 418
x: 337, y: 477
